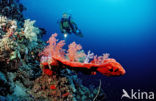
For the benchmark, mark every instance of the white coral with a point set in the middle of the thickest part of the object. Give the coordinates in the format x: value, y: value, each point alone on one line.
x: 3, y: 21
x: 6, y: 44
x: 105, y: 56
x: 88, y: 57
x: 30, y: 31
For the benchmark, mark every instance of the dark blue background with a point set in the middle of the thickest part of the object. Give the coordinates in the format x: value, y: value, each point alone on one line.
x: 124, y: 28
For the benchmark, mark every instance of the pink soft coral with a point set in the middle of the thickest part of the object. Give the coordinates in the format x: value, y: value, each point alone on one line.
x: 54, y: 48
x: 100, y: 59
x: 102, y: 64
x: 73, y: 54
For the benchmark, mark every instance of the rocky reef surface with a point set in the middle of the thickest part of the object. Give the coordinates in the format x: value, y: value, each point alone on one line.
x: 21, y: 75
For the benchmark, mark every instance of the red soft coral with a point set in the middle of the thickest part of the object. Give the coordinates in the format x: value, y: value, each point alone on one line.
x: 66, y: 94
x: 48, y: 71
x: 53, y: 87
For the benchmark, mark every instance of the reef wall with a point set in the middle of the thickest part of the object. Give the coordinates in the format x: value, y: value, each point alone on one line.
x: 31, y: 69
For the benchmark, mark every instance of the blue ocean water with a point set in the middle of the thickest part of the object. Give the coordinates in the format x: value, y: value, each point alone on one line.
x: 124, y: 28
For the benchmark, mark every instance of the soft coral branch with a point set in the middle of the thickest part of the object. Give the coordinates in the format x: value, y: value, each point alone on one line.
x: 54, y: 48
x: 73, y: 54
x: 102, y: 64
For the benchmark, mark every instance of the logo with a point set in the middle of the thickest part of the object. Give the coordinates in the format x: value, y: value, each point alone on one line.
x: 137, y: 94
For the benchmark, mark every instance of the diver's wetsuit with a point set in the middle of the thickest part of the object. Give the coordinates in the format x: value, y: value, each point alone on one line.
x: 69, y: 27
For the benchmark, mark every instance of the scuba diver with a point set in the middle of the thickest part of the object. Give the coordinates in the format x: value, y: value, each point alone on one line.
x: 68, y: 26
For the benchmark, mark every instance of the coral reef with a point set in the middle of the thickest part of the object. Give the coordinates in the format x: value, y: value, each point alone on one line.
x: 13, y: 10
x: 20, y: 66
x: 19, y: 58
x: 32, y: 71
x: 59, y: 80
x: 65, y: 86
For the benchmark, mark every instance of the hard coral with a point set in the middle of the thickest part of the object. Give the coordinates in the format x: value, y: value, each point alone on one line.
x: 8, y: 26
